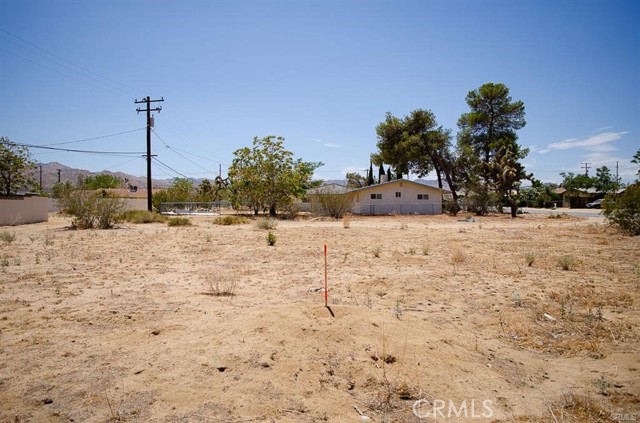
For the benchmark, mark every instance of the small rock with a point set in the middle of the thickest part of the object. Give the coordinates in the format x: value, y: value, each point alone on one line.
x: 47, y: 401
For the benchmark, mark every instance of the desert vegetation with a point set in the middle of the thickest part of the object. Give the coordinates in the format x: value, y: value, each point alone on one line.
x: 211, y: 323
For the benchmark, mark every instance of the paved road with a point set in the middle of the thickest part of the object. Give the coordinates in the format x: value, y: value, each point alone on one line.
x: 571, y: 212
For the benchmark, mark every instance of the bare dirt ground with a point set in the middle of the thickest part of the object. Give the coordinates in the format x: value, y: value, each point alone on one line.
x: 120, y: 325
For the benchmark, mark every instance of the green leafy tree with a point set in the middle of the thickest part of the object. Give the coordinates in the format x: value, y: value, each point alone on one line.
x: 417, y: 143
x: 539, y: 195
x: 15, y: 164
x: 573, y: 182
x: 392, y: 144
x: 180, y: 191
x: 605, y: 181
x: 266, y: 176
x: 488, y: 135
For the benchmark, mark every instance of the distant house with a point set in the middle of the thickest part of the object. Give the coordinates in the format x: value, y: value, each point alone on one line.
x: 577, y: 199
x: 330, y: 188
x: 399, y: 196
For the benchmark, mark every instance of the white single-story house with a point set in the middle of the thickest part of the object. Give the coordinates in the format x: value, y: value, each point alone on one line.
x: 399, y: 196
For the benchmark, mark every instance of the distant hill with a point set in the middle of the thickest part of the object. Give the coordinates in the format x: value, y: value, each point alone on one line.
x: 50, y: 176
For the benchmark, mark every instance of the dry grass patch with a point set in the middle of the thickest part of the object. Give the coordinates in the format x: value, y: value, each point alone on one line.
x: 571, y: 323
x: 179, y: 221
x: 230, y: 220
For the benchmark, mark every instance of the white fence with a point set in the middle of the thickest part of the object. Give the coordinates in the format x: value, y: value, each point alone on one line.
x: 21, y: 209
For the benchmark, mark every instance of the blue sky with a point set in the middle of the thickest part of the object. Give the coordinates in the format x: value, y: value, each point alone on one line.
x: 322, y: 74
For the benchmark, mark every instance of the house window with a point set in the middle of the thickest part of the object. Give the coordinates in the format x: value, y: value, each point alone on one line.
x: 423, y: 196
x: 398, y: 194
x: 376, y: 196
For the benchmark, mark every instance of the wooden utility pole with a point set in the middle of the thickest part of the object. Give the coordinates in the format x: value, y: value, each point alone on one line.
x: 586, y: 168
x: 148, y: 109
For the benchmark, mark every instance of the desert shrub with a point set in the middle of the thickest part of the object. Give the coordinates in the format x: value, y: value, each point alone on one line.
x: 289, y: 210
x: 336, y: 205
x: 567, y: 262
x: 377, y: 250
x: 623, y: 210
x: 529, y: 258
x: 143, y: 216
x: 346, y: 221
x: 7, y: 237
x: 92, y: 209
x: 451, y: 208
x: 458, y: 256
x: 222, y: 284
x: 481, y: 201
x: 266, y: 223
x: 271, y: 239
x: 179, y: 221
x: 230, y: 220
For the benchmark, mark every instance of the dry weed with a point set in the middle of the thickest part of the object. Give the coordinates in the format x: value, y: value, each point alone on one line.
x: 458, y: 256
x: 346, y: 221
x: 222, y: 283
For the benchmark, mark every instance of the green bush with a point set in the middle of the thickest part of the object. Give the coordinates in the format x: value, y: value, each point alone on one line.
x: 230, y: 220
x: 92, y: 209
x: 271, y: 239
x: 623, y: 210
x: 331, y: 204
x: 143, y: 216
x: 179, y: 221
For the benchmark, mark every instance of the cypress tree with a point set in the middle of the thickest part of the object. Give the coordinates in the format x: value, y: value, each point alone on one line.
x: 370, y: 175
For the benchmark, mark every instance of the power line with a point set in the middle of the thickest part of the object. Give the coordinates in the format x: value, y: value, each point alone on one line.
x: 96, y: 138
x: 115, y: 153
x: 170, y: 168
x: 174, y: 150
x: 64, y: 63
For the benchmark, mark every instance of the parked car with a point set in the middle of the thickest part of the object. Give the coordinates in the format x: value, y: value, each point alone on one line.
x: 595, y: 204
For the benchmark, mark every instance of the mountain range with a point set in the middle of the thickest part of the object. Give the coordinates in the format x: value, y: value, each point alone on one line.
x: 54, y: 172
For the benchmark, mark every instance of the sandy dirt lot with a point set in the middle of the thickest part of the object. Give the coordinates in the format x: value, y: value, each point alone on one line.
x: 430, y: 319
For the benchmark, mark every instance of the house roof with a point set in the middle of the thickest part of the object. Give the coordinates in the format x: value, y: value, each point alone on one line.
x: 329, y: 188
x: 422, y: 182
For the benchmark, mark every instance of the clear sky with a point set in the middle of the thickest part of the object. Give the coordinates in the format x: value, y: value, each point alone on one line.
x: 322, y: 74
